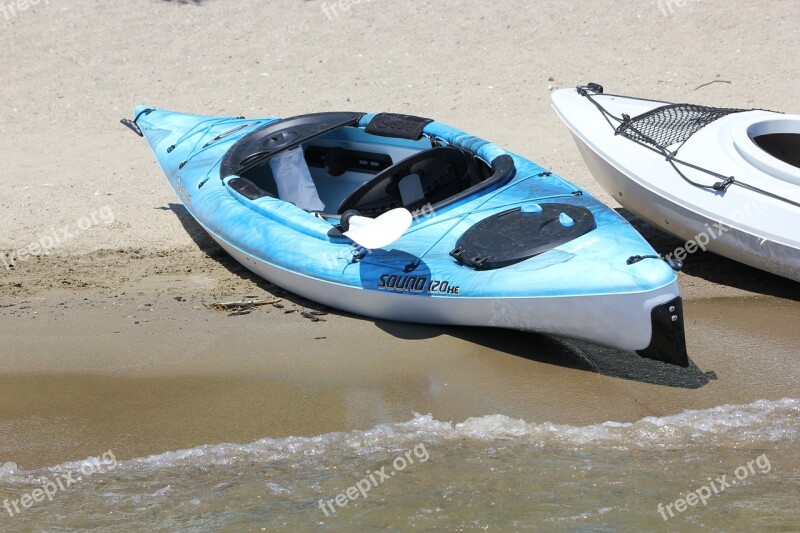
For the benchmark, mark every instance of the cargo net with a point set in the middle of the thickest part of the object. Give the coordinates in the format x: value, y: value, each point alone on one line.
x: 670, y: 124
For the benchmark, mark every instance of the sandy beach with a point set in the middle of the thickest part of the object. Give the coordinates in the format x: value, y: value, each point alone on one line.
x: 109, y: 340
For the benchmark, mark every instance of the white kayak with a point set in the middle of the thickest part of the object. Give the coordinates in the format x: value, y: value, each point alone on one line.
x: 724, y: 180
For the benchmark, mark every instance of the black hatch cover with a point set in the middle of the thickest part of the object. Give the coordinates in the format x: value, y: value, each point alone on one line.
x: 260, y: 145
x: 521, y: 233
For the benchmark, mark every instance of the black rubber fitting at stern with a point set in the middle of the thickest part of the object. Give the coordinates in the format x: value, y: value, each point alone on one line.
x: 668, y: 339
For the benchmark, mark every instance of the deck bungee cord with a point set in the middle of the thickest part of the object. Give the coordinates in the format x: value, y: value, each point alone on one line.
x: 201, y: 128
x: 194, y: 152
x: 225, y: 137
x: 671, y: 124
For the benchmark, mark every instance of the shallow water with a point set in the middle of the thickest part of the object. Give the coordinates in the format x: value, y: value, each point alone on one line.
x: 492, y: 472
x: 337, y: 400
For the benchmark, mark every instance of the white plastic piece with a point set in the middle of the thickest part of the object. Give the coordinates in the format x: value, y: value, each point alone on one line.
x: 373, y: 233
x: 294, y: 181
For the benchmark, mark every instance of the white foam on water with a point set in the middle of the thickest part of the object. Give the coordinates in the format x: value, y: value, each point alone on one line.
x: 728, y: 426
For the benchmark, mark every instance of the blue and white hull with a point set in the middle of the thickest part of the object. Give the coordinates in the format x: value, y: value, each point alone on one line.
x: 602, y: 283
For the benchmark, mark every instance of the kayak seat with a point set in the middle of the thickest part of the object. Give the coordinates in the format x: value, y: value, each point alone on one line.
x: 429, y: 176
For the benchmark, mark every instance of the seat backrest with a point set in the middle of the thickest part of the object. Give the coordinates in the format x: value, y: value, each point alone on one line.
x: 434, y: 167
x: 411, y: 191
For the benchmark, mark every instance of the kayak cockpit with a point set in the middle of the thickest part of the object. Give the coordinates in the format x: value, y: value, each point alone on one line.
x: 347, y: 167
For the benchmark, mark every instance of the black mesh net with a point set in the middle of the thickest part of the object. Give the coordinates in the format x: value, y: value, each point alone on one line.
x: 671, y: 124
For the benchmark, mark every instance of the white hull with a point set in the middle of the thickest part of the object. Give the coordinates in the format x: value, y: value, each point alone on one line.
x: 680, y: 221
x: 740, y: 224
x: 619, y: 321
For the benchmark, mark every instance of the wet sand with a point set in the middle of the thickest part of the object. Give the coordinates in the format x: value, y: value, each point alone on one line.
x: 146, y: 366
x: 107, y: 342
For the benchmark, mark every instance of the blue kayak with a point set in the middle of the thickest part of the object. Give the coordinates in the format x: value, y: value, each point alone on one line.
x: 494, y: 239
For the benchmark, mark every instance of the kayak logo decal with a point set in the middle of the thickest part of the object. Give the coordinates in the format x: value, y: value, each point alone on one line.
x: 180, y: 189
x: 393, y: 282
x: 415, y: 284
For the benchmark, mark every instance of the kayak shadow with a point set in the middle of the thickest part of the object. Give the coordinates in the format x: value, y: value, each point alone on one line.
x: 195, y: 231
x: 715, y: 268
x: 214, y: 251
x: 208, y: 246
x: 565, y: 353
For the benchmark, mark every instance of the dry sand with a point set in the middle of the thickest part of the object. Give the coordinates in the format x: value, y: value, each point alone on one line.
x: 107, y: 343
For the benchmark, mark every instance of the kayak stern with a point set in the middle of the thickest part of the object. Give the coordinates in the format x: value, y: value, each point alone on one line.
x: 668, y: 338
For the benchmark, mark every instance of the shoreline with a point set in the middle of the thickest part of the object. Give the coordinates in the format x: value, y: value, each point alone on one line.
x: 125, y: 349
